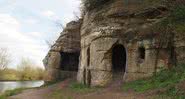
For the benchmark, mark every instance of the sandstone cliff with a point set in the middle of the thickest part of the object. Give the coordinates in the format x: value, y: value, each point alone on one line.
x: 135, y: 38
x: 68, y: 42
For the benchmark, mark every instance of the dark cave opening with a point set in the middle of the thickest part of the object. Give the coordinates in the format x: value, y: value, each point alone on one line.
x: 69, y: 61
x: 118, y: 59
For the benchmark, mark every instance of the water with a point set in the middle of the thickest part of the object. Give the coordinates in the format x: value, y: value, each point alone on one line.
x: 10, y: 85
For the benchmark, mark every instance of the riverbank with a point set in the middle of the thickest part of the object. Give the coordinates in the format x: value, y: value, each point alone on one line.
x: 70, y: 90
x: 9, y: 93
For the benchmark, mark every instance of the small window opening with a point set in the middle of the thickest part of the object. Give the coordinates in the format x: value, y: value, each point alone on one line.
x: 142, y: 53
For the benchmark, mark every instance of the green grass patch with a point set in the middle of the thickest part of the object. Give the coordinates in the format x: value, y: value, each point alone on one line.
x: 162, y: 79
x: 74, y: 88
x: 171, y: 93
x: 59, y: 94
x: 9, y: 93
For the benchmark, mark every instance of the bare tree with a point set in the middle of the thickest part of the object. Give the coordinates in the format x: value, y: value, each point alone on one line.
x: 59, y: 24
x: 49, y: 42
x: 76, y: 16
x: 4, y: 58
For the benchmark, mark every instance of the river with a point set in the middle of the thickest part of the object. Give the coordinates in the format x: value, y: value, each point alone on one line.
x: 10, y: 85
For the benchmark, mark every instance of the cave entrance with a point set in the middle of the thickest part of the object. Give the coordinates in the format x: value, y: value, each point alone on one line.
x: 69, y: 61
x: 118, y: 60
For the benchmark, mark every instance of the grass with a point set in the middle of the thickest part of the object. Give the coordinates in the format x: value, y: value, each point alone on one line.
x: 59, y: 94
x: 171, y: 93
x: 9, y: 93
x: 163, y: 79
x: 74, y: 88
x: 81, y: 88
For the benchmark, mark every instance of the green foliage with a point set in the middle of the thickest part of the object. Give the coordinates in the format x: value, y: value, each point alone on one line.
x: 176, y: 20
x: 9, y: 75
x: 26, y: 71
x: 91, y: 4
x: 171, y: 93
x: 178, y: 14
x: 164, y: 78
x: 11, y: 93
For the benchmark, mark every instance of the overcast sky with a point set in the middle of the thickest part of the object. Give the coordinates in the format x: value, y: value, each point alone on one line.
x: 26, y: 24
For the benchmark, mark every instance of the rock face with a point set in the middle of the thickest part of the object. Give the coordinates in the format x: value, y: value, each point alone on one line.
x: 130, y: 28
x: 117, y: 39
x: 64, y: 54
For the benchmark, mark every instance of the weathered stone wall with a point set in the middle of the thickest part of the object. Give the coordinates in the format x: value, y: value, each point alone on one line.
x: 180, y: 47
x: 130, y: 26
x: 68, y: 42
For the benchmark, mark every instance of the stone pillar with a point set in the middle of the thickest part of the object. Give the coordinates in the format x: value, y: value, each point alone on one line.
x: 82, y: 66
x: 53, y: 66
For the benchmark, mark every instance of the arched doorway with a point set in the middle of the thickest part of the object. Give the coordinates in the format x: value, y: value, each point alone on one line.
x: 118, y: 60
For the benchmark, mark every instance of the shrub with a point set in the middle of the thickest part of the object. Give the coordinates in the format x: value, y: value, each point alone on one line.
x: 28, y: 71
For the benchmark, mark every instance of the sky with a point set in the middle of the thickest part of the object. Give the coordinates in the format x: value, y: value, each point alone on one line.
x: 25, y: 25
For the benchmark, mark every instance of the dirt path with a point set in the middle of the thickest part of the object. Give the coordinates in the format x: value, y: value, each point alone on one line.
x: 41, y: 93
x: 111, y: 92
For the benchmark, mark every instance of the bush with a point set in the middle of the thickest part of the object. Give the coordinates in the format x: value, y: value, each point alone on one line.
x: 28, y: 71
x: 9, y: 75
